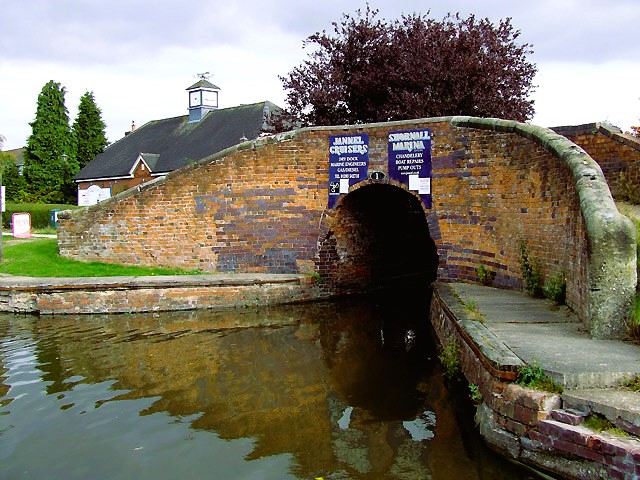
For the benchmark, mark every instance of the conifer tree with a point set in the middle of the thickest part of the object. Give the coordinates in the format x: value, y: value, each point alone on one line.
x: 88, y: 130
x: 49, y: 163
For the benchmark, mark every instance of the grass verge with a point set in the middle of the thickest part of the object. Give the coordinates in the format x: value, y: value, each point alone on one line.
x: 39, y: 258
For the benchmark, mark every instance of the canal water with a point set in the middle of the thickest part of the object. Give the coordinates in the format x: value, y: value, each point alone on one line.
x: 350, y: 389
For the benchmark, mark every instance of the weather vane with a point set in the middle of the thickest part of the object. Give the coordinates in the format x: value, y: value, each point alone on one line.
x: 203, y: 76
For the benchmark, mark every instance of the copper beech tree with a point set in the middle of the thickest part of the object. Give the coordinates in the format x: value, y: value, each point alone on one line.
x: 371, y: 70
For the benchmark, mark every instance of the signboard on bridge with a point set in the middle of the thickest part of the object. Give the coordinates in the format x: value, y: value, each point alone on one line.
x: 348, y: 163
x: 410, y: 161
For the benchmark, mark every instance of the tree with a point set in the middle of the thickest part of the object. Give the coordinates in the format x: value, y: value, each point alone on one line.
x: 88, y: 130
x: 370, y: 70
x: 49, y: 163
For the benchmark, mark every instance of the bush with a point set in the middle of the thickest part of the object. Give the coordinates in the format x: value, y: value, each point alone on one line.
x: 450, y: 358
x: 531, y: 272
x: 555, y: 288
x: 623, y: 189
x: 39, y: 213
x: 485, y: 275
x: 633, y: 325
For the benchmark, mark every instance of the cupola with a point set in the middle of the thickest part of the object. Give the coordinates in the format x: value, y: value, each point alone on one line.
x: 203, y: 97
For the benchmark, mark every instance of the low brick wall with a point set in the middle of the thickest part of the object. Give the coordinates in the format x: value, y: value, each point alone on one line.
x: 523, y: 424
x: 147, y: 294
x: 614, y: 151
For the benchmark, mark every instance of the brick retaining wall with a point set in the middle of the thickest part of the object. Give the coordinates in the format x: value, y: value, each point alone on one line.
x: 523, y: 424
x: 149, y: 294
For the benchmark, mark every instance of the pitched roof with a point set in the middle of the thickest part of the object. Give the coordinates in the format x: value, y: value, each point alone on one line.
x: 203, y: 83
x: 174, y: 142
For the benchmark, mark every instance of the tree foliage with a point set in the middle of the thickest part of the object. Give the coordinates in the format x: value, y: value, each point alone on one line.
x: 11, y: 178
x: 88, y: 130
x: 371, y: 70
x: 49, y: 162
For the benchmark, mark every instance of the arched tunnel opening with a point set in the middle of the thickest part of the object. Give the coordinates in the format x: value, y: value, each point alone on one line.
x: 381, y: 236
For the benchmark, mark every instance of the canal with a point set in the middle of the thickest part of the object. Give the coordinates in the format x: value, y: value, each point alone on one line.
x: 349, y: 389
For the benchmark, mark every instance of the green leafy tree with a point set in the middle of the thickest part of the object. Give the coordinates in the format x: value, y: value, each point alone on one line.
x: 49, y: 162
x: 6, y: 159
x: 371, y: 70
x: 88, y: 130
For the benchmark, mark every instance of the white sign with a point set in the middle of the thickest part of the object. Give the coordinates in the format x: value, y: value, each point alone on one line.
x: 92, y: 195
x: 21, y: 225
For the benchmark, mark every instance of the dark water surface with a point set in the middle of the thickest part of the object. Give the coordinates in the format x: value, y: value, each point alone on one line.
x: 335, y: 390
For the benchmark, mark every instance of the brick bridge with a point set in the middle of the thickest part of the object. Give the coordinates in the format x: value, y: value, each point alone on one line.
x: 491, y: 187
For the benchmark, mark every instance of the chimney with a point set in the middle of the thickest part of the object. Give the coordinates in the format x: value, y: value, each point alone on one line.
x: 133, y: 128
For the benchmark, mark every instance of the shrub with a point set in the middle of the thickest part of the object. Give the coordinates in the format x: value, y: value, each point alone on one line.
x: 532, y: 376
x: 485, y: 275
x: 633, y: 324
x: 450, y: 358
x: 555, y: 288
x: 531, y: 272
x: 39, y: 213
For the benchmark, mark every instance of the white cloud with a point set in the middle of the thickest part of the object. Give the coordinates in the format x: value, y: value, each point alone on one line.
x: 577, y: 93
x: 138, y: 56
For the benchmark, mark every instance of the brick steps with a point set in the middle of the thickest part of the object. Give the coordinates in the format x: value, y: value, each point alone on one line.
x: 620, y: 455
x: 620, y: 407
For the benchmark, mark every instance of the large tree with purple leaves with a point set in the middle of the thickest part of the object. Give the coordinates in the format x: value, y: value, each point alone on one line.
x: 371, y: 70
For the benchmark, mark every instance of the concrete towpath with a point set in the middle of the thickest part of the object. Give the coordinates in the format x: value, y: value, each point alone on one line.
x: 590, y: 370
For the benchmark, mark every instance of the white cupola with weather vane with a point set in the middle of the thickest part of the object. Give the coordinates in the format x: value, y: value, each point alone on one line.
x: 203, y: 97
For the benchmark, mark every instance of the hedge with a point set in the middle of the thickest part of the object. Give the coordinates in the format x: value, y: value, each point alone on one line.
x: 39, y: 213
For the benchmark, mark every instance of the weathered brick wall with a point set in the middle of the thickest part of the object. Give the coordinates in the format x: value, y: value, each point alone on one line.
x: 615, y: 152
x: 261, y: 207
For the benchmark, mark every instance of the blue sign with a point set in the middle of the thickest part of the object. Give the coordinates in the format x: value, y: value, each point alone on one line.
x: 410, y: 161
x: 348, y: 163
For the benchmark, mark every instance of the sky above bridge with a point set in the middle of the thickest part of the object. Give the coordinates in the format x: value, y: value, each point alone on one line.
x: 138, y: 56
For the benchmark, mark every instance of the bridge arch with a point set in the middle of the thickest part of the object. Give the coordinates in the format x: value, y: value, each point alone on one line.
x: 376, y: 234
x: 262, y: 207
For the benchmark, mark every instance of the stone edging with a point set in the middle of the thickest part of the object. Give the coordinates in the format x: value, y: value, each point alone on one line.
x: 144, y: 294
x: 526, y: 425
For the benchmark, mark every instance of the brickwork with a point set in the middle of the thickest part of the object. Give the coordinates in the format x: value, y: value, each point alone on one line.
x: 615, y: 152
x: 261, y: 207
x: 127, y: 295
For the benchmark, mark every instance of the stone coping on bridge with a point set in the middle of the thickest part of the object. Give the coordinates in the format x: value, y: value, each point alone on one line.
x: 126, y: 294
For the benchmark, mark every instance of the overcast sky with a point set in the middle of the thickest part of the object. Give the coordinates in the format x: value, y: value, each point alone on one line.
x: 139, y: 56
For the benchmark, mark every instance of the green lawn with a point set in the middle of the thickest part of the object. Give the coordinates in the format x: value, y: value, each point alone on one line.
x: 39, y: 258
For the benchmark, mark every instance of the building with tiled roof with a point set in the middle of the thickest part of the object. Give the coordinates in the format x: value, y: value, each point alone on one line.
x: 161, y: 146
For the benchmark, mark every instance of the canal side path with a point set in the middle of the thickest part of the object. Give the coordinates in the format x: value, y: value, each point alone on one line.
x: 510, y: 327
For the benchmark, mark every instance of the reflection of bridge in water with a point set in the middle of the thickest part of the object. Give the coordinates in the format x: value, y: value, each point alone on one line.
x: 313, y: 387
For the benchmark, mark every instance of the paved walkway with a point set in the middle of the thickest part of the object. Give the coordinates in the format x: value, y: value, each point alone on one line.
x: 590, y: 370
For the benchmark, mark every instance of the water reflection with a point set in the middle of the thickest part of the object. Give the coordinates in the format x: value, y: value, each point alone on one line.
x: 330, y: 390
